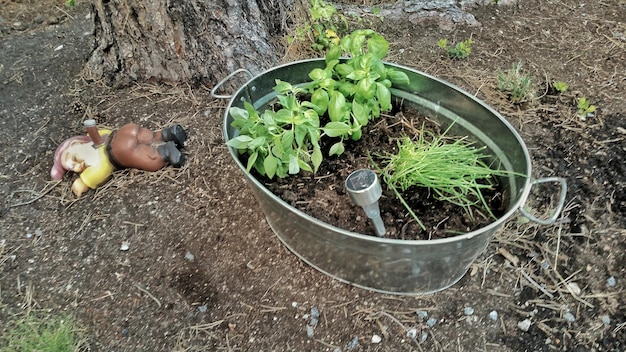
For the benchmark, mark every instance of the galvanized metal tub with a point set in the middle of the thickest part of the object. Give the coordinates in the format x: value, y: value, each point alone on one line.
x: 407, y: 267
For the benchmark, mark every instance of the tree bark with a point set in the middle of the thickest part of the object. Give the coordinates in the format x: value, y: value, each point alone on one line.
x: 182, y: 40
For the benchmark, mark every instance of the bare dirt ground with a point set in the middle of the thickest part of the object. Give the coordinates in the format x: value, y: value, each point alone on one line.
x: 203, y: 270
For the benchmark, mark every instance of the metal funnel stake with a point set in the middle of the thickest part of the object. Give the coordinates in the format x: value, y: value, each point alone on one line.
x: 364, y: 190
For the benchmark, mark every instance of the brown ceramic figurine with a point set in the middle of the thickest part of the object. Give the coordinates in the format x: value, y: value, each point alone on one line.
x: 95, y: 156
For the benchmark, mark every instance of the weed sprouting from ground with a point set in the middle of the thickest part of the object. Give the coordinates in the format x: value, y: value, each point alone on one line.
x: 517, y: 83
x: 460, y: 50
x: 585, y: 108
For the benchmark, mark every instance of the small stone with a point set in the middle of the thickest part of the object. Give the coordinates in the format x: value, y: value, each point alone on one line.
x: 315, y: 313
x: 203, y: 308
x: 125, y: 246
x: 411, y: 333
x: 294, y: 304
x: 352, y: 344
x: 189, y: 256
x: 606, y: 320
x: 60, y: 47
x: 468, y: 311
x: 424, y: 337
x: 611, y: 281
x: 309, y: 331
x: 524, y: 325
x: 574, y: 288
x: 431, y: 322
x: 569, y: 317
x: 493, y: 315
x: 422, y: 314
x: 376, y: 339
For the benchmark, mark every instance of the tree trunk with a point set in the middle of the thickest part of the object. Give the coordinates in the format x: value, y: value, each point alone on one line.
x: 182, y: 40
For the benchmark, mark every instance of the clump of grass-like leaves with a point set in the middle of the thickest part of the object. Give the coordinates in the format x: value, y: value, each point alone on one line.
x: 33, y: 333
x: 454, y: 170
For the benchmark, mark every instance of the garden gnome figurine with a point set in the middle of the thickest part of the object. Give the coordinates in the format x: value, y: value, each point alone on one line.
x: 95, y: 156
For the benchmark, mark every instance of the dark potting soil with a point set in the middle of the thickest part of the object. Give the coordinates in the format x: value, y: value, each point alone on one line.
x: 324, y: 196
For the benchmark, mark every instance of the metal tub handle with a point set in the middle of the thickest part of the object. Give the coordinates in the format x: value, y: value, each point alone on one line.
x: 221, y: 83
x: 559, y: 206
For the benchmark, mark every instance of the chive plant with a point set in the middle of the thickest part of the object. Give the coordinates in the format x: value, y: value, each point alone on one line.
x: 454, y: 169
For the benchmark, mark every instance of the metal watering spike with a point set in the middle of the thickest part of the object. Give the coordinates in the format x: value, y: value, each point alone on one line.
x: 364, y: 190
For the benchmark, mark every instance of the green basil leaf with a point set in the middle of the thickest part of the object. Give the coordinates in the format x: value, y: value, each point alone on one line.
x: 252, y: 161
x: 316, y: 159
x: 374, y: 108
x: 346, y: 88
x: 318, y: 74
x: 397, y: 77
x: 357, y: 75
x: 378, y: 46
x: 336, y: 129
x: 270, y: 164
x: 356, y: 47
x: 301, y: 133
x: 282, y: 87
x: 238, y: 113
x: 287, y: 140
x: 311, y: 116
x: 283, y: 116
x: 320, y: 99
x: 278, y: 150
x: 304, y: 166
x: 356, y: 134
x: 379, y: 69
x: 257, y: 142
x: 239, y: 142
x: 343, y: 70
x: 336, y: 106
x: 366, y: 88
x: 383, y: 94
x: 337, y: 149
x: 334, y: 53
x: 360, y: 112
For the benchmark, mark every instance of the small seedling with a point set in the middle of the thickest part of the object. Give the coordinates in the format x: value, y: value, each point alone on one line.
x: 585, y: 108
x: 459, y: 51
x: 517, y: 83
x: 560, y: 86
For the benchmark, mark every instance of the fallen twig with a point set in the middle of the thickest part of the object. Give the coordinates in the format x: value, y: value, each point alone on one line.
x: 149, y: 295
x: 41, y: 194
